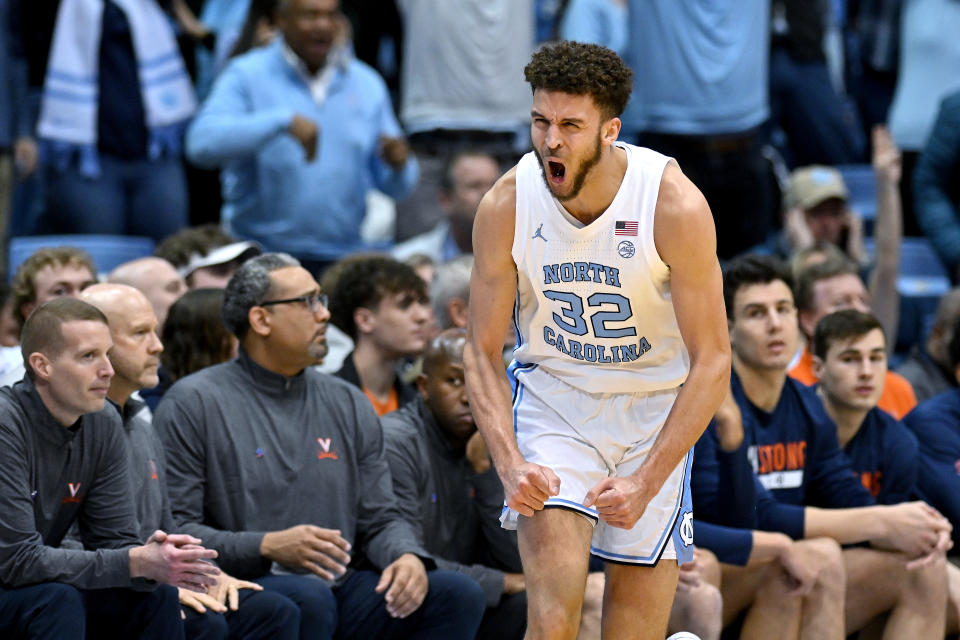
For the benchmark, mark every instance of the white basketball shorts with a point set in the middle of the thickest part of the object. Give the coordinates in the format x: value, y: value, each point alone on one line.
x: 586, y: 437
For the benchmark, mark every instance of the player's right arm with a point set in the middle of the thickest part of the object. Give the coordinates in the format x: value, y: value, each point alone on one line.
x: 493, y: 288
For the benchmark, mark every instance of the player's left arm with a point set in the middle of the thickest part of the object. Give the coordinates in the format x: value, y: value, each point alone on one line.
x: 686, y: 241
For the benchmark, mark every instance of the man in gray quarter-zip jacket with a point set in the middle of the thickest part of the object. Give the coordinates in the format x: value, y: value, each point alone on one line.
x: 281, y: 469
x: 63, y: 460
x: 252, y: 614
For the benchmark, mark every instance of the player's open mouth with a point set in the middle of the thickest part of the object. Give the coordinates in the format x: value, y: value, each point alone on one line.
x: 557, y: 171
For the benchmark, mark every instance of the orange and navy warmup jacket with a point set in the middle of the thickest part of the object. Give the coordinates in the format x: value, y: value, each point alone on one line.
x: 795, y: 459
x: 936, y: 424
x: 883, y: 455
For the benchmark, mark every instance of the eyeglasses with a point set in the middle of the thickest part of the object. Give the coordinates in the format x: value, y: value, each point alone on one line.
x: 313, y: 301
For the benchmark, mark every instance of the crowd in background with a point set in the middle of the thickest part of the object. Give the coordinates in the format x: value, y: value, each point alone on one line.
x: 332, y: 154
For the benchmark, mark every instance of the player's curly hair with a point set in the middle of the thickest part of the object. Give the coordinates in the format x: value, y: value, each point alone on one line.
x: 582, y: 69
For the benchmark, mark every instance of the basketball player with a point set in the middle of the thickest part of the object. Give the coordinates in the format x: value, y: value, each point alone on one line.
x: 604, y: 256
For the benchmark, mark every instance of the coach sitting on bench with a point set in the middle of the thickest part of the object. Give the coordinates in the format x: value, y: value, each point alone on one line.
x: 63, y: 459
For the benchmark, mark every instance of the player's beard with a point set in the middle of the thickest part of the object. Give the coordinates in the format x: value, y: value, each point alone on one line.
x: 578, y: 179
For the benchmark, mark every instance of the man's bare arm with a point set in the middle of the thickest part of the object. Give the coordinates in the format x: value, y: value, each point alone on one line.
x: 493, y: 289
x: 686, y: 241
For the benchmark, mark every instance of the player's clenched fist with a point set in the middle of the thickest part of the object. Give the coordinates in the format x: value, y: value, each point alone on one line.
x: 619, y: 501
x: 527, y: 486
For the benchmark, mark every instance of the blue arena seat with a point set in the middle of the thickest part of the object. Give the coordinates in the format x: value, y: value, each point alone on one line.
x: 862, y: 185
x: 107, y: 251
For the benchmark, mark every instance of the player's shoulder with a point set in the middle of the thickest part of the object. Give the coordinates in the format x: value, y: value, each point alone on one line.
x: 501, y: 200
x: 496, y: 215
x: 678, y: 195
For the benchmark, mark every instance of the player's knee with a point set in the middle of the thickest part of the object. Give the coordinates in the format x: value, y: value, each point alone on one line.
x: 828, y: 557
x: 927, y: 583
x: 700, y: 611
x: 553, y: 622
x: 710, y: 571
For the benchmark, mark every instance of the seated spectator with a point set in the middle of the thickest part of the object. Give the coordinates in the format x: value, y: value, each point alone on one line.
x: 302, y: 131
x: 155, y: 278
x: 194, y: 337
x: 466, y: 178
x: 798, y: 463
x: 135, y: 357
x: 762, y: 573
x: 47, y: 274
x: 817, y: 213
x: 423, y: 265
x: 936, y: 197
x: 454, y: 509
x: 936, y: 423
x: 928, y: 368
x: 301, y: 502
x: 383, y: 305
x: 55, y: 429
x: 450, y: 292
x: 834, y: 286
x: 850, y: 360
x: 205, y: 256
x: 116, y: 101
x: 850, y: 364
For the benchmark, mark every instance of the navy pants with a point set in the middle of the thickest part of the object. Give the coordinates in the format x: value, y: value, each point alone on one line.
x: 453, y: 608
x: 54, y: 610
x: 260, y: 614
x: 130, y: 197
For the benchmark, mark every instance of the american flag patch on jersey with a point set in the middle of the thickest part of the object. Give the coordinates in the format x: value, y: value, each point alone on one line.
x: 625, y: 228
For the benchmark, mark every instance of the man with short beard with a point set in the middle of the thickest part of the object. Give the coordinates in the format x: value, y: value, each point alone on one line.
x: 281, y: 469
x: 603, y: 256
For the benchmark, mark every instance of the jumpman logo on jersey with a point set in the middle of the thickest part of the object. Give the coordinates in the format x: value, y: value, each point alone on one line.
x: 539, y: 233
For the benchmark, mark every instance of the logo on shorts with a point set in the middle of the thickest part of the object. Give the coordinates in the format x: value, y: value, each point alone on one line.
x: 626, y: 249
x: 686, y: 528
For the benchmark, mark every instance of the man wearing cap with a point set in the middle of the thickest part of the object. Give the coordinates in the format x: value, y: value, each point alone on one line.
x: 215, y: 269
x: 205, y: 256
x: 817, y: 211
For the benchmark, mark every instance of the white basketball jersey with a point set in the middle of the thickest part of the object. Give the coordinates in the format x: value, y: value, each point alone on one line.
x: 593, y: 303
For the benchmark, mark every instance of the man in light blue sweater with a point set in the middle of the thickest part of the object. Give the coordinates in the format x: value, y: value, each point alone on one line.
x: 302, y: 131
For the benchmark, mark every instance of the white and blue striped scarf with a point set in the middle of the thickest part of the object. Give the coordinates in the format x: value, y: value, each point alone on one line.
x: 68, y: 114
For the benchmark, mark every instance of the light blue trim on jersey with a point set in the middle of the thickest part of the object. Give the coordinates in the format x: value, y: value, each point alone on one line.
x: 684, y: 552
x: 516, y: 321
